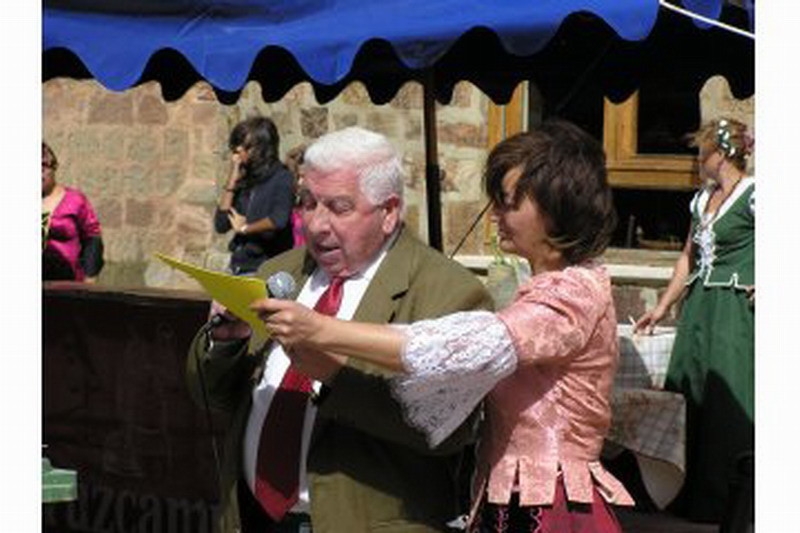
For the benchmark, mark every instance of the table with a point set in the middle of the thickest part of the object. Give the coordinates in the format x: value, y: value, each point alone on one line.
x: 646, y: 419
x: 117, y: 418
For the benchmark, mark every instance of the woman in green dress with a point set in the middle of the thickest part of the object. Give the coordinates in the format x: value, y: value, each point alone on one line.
x: 712, y: 359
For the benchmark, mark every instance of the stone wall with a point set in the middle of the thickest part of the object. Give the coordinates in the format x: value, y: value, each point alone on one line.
x: 153, y: 169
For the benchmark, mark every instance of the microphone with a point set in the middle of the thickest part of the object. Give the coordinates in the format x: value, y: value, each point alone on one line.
x: 281, y: 285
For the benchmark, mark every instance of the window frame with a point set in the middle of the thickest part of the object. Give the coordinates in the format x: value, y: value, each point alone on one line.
x: 628, y: 168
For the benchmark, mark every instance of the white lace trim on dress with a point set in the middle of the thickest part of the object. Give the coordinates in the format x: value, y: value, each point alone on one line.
x: 451, y: 364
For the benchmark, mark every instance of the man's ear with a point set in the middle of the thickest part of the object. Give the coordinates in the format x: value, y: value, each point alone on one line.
x: 391, y: 214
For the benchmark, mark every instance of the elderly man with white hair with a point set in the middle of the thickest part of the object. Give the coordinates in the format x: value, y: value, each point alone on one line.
x: 333, y: 444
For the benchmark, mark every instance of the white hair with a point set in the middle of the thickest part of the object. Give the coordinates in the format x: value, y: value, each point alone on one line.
x: 370, y: 154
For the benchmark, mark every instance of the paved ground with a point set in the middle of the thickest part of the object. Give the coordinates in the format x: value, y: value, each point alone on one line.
x: 633, y: 521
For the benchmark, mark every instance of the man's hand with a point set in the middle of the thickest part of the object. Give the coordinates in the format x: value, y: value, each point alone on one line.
x: 292, y: 324
x: 232, y: 328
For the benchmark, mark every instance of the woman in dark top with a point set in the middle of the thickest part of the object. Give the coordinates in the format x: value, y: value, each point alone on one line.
x: 258, y: 197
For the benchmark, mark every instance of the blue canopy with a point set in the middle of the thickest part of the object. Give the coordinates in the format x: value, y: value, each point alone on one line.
x: 223, y: 40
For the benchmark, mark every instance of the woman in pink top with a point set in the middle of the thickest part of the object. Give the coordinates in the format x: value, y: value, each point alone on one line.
x: 72, y: 246
x: 546, y: 363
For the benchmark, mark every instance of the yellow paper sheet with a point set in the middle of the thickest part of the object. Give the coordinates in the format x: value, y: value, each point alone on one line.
x: 236, y: 293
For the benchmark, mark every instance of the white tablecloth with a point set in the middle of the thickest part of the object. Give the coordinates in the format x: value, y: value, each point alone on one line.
x: 646, y: 419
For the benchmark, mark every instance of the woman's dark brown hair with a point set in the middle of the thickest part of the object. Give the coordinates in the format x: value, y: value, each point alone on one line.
x: 260, y: 136
x: 563, y: 170
x: 49, y: 155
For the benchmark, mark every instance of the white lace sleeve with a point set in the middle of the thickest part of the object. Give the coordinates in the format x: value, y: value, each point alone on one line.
x: 451, y: 364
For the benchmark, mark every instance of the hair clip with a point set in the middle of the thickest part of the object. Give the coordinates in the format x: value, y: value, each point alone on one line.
x: 724, y: 138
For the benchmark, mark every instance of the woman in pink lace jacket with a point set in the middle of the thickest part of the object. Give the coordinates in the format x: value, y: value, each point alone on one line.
x: 545, y: 363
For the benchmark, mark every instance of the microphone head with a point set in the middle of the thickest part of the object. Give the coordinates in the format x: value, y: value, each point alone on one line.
x: 281, y: 285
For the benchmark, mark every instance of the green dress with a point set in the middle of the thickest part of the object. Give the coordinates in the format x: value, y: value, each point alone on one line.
x: 712, y: 361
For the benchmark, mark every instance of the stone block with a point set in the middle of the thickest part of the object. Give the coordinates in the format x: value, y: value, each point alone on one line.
x: 198, y: 193
x: 123, y: 274
x: 282, y: 121
x: 314, y: 122
x: 162, y: 240
x: 122, y: 246
x: 109, y: 212
x: 463, y: 134
x: 164, y: 218
x: 413, y: 128
x: 355, y: 94
x: 167, y: 179
x: 464, y: 175
x: 111, y: 108
x: 208, y: 168
x: 136, y: 181
x: 382, y: 122
x: 205, y: 113
x: 299, y: 94
x: 158, y: 274
x: 194, y: 226
x: 450, y: 170
x: 81, y: 146
x: 203, y: 92
x: 176, y: 145
x: 65, y: 101
x: 138, y: 213
x: 344, y: 120
x: 112, y: 144
x: 412, y: 218
x: 144, y: 147
x: 414, y: 171
x: 409, y: 96
x: 462, y: 94
x: 460, y: 216
x: 202, y: 140
x: 101, y: 182
x: 151, y: 111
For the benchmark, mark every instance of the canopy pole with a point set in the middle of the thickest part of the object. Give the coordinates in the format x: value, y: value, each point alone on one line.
x: 432, y: 171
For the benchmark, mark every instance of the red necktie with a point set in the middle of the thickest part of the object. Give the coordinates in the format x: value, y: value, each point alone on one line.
x: 278, y: 465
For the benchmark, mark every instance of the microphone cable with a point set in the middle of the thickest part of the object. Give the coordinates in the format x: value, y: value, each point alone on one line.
x: 472, y: 227
x: 205, y: 330
x: 280, y: 285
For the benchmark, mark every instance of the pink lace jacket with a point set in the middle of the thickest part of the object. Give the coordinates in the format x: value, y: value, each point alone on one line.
x: 546, y: 365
